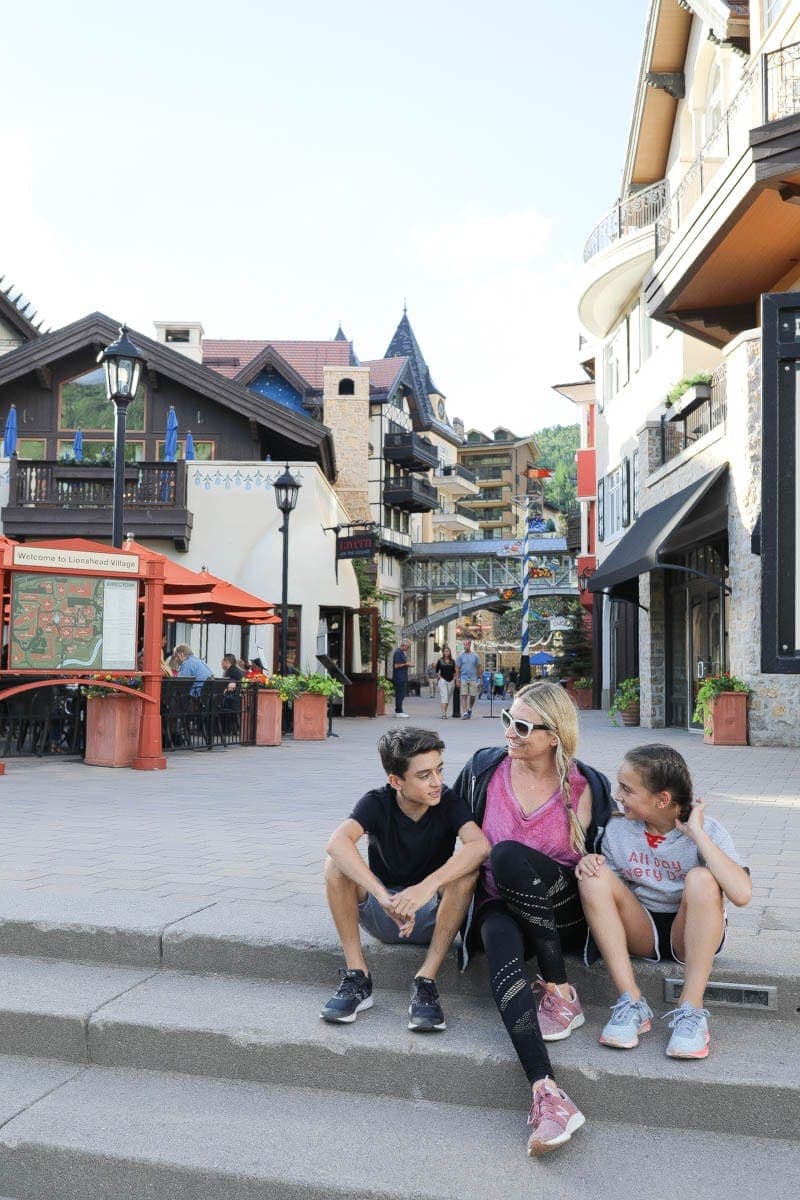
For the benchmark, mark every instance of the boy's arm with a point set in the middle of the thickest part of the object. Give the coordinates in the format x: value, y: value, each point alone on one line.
x: 343, y: 850
x: 473, y: 852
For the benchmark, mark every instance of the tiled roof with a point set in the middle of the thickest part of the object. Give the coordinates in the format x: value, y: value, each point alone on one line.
x: 384, y: 372
x: 230, y: 356
x: 404, y: 343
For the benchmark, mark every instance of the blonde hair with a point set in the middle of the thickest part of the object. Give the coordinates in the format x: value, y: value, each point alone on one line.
x: 551, y: 702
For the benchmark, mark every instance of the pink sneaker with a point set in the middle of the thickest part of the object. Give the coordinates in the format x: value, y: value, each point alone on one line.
x: 557, y: 1015
x: 553, y: 1116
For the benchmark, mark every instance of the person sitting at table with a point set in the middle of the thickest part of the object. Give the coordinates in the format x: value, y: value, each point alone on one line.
x: 192, y: 667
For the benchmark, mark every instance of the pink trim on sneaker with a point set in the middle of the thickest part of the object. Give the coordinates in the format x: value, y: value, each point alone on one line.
x: 553, y: 1116
x: 558, y: 1016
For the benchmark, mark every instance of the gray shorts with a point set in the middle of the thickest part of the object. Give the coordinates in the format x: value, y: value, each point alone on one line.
x: 377, y: 922
x: 469, y: 687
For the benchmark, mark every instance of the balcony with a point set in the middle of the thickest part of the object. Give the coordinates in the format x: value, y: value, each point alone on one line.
x: 394, y: 539
x: 459, y: 519
x: 411, y: 451
x: 731, y: 228
x: 414, y: 495
x: 456, y: 480
x: 617, y: 255
x: 706, y: 410
x: 53, y: 499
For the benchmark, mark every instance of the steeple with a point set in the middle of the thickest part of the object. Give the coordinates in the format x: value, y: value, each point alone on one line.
x: 341, y: 336
x: 405, y: 345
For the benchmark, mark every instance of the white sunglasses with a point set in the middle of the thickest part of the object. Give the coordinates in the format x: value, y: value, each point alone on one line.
x: 522, y: 729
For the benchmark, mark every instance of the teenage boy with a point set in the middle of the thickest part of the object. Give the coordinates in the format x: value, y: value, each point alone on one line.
x: 416, y: 888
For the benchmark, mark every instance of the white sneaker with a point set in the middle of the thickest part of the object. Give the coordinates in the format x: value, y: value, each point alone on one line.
x: 398, y: 715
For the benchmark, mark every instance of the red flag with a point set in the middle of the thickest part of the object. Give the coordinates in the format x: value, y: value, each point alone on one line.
x: 537, y: 473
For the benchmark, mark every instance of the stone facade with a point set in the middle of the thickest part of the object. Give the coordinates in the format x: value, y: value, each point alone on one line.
x: 348, y: 419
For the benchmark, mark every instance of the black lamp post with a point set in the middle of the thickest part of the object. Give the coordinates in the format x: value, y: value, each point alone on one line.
x: 286, y: 492
x: 123, y: 362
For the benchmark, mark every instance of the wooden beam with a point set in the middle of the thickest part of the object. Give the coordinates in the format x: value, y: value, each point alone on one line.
x: 45, y: 377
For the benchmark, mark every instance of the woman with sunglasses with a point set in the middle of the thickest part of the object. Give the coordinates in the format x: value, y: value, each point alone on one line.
x: 541, y: 810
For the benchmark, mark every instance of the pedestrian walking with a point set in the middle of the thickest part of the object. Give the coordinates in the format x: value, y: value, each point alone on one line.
x: 433, y: 679
x: 468, y: 669
x: 657, y: 890
x: 446, y: 674
x: 540, y: 808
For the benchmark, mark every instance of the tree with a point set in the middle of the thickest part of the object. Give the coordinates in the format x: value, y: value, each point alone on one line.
x: 557, y: 445
x: 574, y: 649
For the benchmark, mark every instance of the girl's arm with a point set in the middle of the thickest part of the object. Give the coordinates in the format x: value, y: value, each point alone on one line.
x: 733, y: 879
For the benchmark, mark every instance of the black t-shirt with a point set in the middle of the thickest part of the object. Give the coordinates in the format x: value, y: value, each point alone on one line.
x: 447, y: 669
x: 235, y: 673
x: 403, y: 852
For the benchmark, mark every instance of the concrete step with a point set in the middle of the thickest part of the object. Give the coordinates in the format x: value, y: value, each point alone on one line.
x: 279, y: 941
x: 131, y: 1135
x: 269, y: 1031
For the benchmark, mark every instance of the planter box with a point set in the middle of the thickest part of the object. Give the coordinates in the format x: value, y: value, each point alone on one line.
x: 727, y: 723
x: 269, y: 714
x: 631, y: 714
x: 310, y: 717
x: 380, y: 707
x: 112, y: 730
x: 581, y: 696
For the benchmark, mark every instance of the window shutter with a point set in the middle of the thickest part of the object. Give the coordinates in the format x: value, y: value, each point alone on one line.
x: 626, y: 492
x: 601, y: 509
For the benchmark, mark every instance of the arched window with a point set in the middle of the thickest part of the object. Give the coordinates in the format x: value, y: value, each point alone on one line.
x: 347, y: 387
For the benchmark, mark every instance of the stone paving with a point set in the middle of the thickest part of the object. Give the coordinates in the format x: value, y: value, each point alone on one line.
x: 252, y: 823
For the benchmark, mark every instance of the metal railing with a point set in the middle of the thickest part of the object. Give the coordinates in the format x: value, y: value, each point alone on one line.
x: 64, y: 485
x: 410, y: 445
x: 679, y: 432
x: 770, y: 91
x: 48, y: 720
x: 214, y: 717
x: 637, y: 212
x: 486, y: 575
x: 459, y: 472
x: 409, y: 491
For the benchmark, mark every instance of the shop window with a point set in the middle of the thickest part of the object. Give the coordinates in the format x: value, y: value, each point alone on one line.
x: 203, y: 451
x: 83, y: 404
x: 100, y: 451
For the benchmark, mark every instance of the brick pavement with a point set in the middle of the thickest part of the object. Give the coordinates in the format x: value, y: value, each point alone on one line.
x: 252, y: 823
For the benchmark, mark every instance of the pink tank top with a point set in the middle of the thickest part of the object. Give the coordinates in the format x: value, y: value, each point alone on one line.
x: 546, y: 829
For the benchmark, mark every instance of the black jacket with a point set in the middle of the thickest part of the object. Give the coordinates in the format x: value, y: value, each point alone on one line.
x: 473, y: 784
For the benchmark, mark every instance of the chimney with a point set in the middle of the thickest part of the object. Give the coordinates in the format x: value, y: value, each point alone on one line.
x: 458, y: 428
x: 184, y: 336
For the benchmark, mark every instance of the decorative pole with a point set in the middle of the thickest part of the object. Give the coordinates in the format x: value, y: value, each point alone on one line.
x: 525, y: 663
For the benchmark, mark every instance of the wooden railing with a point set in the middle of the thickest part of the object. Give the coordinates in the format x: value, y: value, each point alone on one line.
x: 48, y: 484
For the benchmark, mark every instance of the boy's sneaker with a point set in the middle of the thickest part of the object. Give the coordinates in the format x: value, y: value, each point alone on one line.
x: 353, y: 995
x: 629, y: 1018
x: 425, y: 1011
x: 467, y: 715
x: 557, y: 1015
x: 554, y: 1118
x: 690, y: 1035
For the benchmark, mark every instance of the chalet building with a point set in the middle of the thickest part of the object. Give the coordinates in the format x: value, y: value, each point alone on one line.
x: 499, y: 464
x: 216, y: 510
x: 689, y: 292
x: 396, y: 447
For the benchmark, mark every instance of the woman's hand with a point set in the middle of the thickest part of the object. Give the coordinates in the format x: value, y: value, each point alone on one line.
x: 694, y: 826
x: 589, y: 865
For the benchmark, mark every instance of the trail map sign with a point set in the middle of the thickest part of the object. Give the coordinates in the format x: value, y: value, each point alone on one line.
x: 78, y: 621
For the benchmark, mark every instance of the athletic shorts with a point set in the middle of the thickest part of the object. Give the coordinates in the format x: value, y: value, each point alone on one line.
x: 377, y: 922
x: 662, y: 923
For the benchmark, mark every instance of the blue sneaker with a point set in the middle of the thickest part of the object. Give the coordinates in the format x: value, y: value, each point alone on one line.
x: 425, y: 1011
x: 353, y: 995
x: 690, y: 1036
x: 629, y: 1018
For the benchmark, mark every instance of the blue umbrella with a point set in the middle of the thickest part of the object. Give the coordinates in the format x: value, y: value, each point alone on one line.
x: 171, y: 441
x: 188, y: 453
x: 77, y: 446
x: 541, y: 659
x: 10, y: 432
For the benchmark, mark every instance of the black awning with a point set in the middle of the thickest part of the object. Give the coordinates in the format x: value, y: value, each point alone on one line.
x: 693, y: 514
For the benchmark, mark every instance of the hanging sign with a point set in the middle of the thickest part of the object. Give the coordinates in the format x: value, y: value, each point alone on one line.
x: 560, y: 624
x: 356, y: 545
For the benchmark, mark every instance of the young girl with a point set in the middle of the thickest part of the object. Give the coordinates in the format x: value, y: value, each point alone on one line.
x: 656, y: 891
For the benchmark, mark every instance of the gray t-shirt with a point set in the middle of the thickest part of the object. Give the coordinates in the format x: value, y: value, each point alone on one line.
x: 468, y: 666
x: 656, y: 873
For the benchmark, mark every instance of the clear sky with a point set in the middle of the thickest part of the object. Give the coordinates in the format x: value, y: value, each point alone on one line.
x: 271, y: 169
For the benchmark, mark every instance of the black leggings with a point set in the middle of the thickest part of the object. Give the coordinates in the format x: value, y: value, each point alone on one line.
x: 539, y: 914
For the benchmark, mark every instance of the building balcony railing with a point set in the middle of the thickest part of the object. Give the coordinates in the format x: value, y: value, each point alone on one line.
x: 456, y: 480
x: 54, y: 499
x: 458, y: 472
x: 635, y: 213
x: 683, y: 430
x: 770, y: 91
x: 410, y: 450
x: 414, y: 495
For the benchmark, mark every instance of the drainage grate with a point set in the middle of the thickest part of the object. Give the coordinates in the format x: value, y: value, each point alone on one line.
x: 733, y: 995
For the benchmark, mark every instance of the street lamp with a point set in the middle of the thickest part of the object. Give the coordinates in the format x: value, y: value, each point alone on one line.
x: 286, y: 489
x: 584, y: 578
x: 123, y: 362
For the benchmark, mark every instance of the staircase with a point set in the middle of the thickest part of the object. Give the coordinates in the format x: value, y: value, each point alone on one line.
x: 179, y: 1055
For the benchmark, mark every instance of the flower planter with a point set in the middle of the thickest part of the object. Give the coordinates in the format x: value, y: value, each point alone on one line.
x: 380, y: 708
x: 727, y: 720
x: 310, y: 717
x: 581, y: 696
x: 631, y: 714
x: 269, y: 713
x: 112, y: 730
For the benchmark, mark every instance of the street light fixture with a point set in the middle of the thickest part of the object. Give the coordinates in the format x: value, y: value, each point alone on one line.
x: 584, y: 578
x: 123, y: 362
x: 286, y: 489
